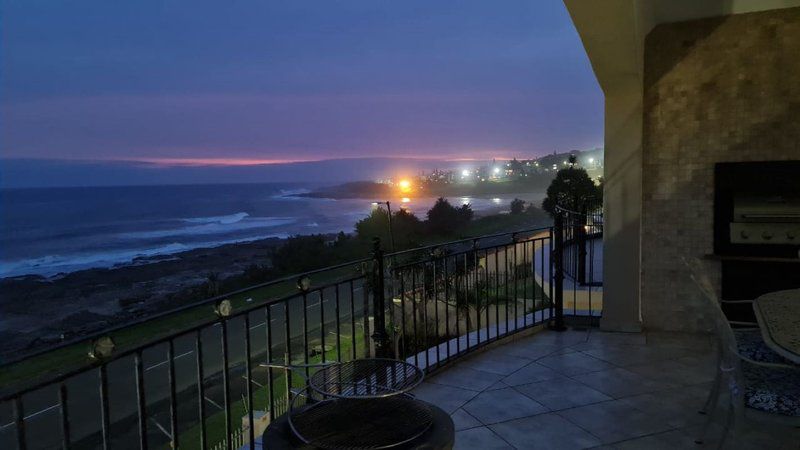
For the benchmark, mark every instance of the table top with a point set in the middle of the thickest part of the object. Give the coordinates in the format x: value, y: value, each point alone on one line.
x: 778, y: 315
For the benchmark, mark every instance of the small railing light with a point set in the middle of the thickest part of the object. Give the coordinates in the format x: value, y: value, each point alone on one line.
x: 304, y: 283
x: 223, y: 308
x: 102, y: 348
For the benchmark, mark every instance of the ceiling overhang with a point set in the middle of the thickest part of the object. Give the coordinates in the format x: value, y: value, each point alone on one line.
x: 613, y: 31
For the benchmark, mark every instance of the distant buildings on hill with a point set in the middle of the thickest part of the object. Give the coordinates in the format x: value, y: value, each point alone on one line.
x: 515, y: 169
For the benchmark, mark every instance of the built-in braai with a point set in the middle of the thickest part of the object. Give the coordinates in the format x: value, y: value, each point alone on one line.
x: 757, y: 229
x: 757, y: 209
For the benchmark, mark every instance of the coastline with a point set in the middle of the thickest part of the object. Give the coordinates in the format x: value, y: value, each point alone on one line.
x: 37, y: 310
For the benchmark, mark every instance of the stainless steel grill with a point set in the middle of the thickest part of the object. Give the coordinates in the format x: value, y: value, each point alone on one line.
x: 771, y: 219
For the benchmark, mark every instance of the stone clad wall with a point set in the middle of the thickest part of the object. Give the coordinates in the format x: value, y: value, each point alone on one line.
x: 721, y: 89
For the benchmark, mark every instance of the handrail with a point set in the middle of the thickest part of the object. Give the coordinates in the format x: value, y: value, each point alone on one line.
x: 467, y: 239
x: 563, y: 210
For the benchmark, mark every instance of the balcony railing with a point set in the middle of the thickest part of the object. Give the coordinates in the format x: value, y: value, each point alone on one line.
x: 190, y: 377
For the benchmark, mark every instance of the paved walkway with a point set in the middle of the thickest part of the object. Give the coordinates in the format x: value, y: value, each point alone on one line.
x: 586, y: 389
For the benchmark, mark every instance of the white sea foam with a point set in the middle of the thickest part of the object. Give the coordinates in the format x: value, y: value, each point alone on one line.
x: 54, y: 264
x: 291, y: 192
x: 231, y: 218
x: 209, y: 228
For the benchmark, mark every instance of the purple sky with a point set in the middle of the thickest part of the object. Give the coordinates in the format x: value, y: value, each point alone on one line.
x: 264, y: 80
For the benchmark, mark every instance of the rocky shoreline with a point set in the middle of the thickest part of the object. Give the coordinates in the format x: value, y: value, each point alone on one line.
x: 38, y: 311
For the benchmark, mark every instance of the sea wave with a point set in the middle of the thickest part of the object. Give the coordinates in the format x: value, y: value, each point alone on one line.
x: 230, y: 218
x: 291, y: 195
x: 291, y: 192
x: 56, y: 264
x: 210, y: 228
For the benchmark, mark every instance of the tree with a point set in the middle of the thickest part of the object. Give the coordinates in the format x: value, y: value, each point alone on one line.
x: 293, y: 255
x: 406, y: 228
x: 374, y: 225
x: 444, y: 218
x: 465, y: 214
x: 572, y: 188
x: 517, y: 206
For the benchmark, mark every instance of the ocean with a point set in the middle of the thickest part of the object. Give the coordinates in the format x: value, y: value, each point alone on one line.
x: 50, y: 231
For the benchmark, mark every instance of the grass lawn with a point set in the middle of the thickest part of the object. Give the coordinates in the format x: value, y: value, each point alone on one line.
x: 505, y: 222
x: 77, y: 355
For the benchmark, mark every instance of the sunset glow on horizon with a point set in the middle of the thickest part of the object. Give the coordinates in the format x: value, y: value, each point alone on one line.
x: 246, y: 161
x: 231, y: 162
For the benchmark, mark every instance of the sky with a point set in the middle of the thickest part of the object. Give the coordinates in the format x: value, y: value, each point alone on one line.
x: 209, y: 83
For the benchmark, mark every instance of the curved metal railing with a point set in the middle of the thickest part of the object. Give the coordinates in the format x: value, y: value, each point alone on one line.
x: 187, y: 377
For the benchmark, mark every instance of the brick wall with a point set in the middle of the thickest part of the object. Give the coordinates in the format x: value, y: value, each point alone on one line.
x: 722, y: 89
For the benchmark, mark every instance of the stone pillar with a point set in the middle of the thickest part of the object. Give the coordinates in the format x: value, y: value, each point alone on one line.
x: 622, y: 208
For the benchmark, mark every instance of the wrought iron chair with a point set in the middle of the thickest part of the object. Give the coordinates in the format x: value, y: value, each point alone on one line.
x: 762, y: 385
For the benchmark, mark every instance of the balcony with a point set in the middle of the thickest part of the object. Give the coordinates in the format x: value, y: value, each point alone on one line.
x: 585, y: 388
x: 474, y: 314
x: 190, y: 377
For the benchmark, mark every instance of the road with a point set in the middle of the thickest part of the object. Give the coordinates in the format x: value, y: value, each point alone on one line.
x: 42, y: 418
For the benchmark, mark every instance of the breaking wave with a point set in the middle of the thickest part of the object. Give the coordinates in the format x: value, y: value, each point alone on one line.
x: 221, y: 225
x: 231, y: 218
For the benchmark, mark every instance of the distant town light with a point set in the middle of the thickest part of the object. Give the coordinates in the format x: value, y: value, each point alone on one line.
x: 591, y: 160
x: 405, y: 185
x: 497, y: 200
x: 496, y: 170
x: 465, y: 173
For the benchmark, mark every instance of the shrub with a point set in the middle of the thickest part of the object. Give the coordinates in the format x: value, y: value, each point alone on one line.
x: 517, y: 206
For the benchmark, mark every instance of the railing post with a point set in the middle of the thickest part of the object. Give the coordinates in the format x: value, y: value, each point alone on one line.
x: 558, y: 276
x: 580, y: 241
x: 379, y: 337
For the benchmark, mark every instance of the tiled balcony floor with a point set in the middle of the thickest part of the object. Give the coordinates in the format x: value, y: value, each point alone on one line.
x: 587, y: 389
